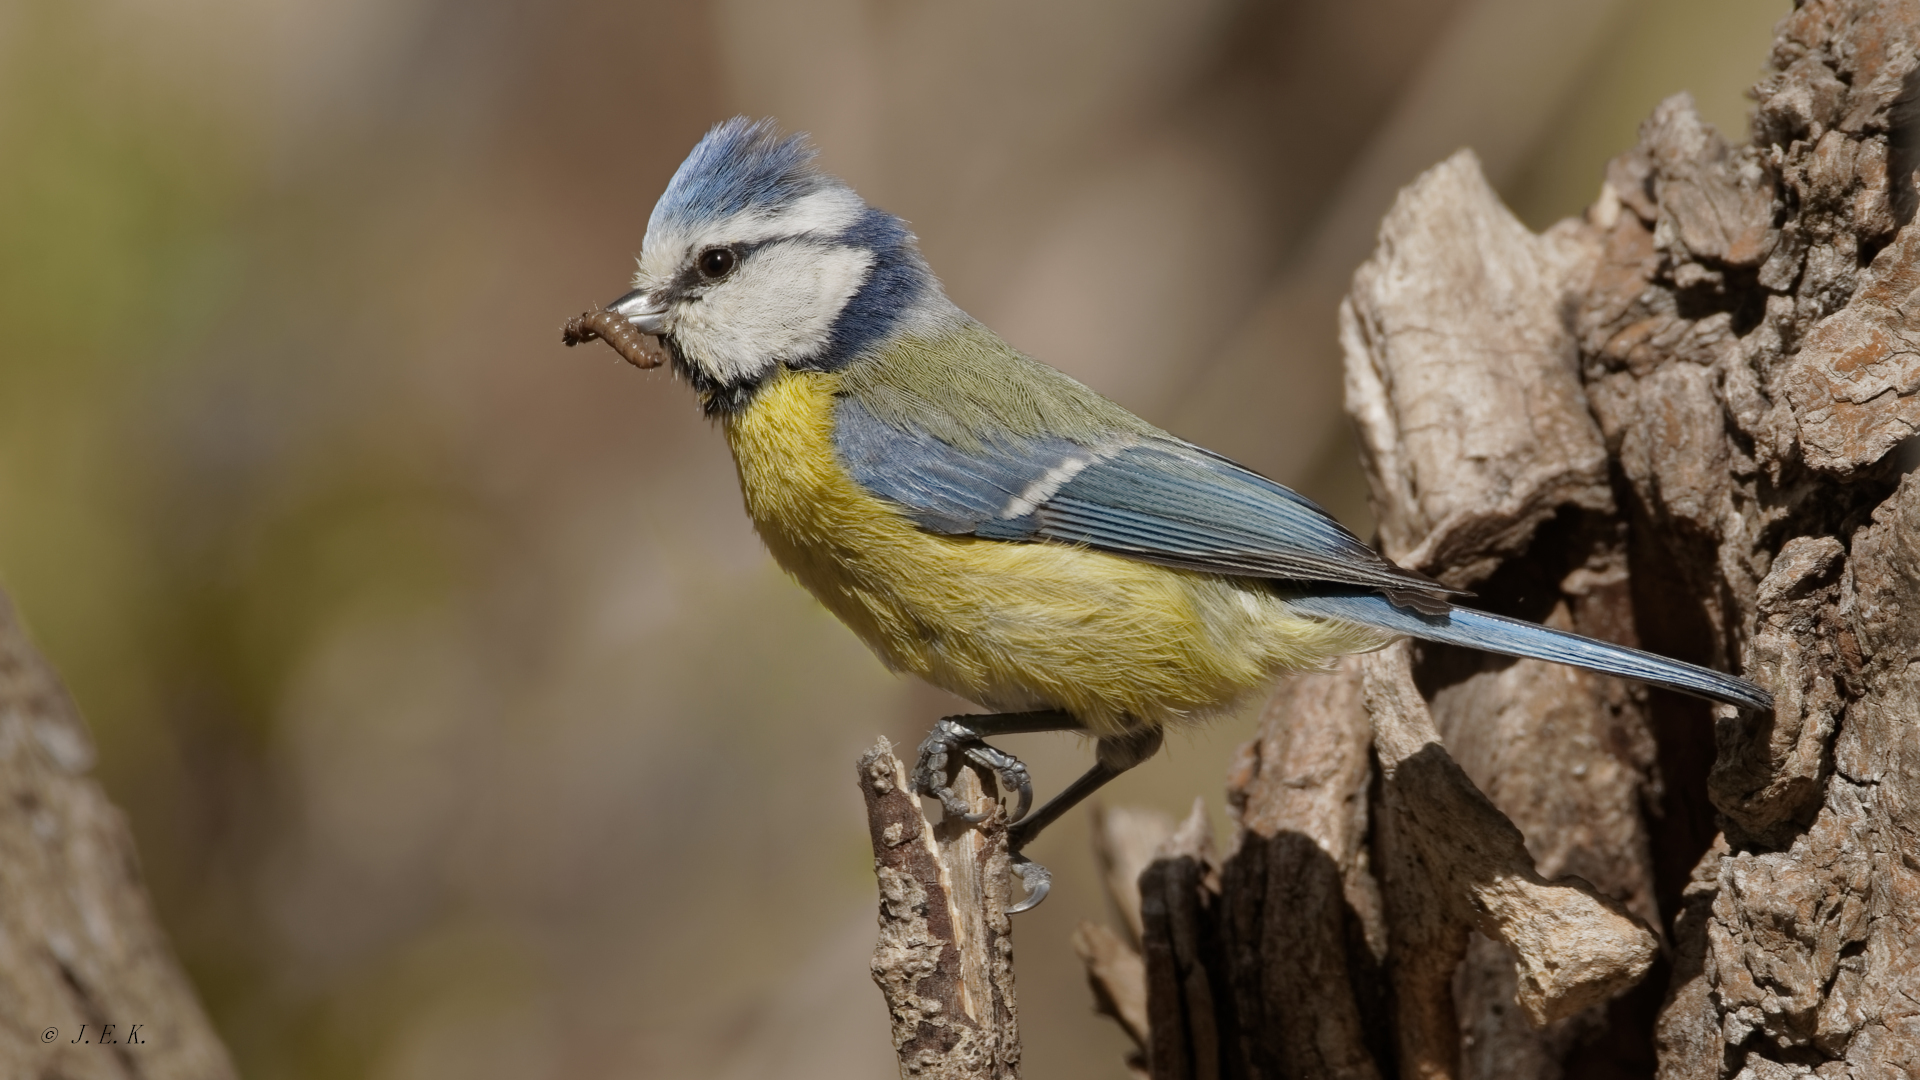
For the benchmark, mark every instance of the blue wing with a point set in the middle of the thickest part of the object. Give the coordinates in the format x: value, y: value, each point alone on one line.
x: 1157, y: 500
x: 1168, y: 502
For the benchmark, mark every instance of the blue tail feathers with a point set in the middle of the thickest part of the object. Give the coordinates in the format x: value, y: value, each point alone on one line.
x: 1514, y: 637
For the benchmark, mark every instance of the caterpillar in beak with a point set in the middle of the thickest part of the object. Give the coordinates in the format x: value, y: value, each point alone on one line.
x: 640, y: 350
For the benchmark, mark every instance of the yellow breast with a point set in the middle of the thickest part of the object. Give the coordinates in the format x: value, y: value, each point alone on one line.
x: 1112, y: 641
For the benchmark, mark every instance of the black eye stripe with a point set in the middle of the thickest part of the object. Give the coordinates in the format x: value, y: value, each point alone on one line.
x: 688, y: 282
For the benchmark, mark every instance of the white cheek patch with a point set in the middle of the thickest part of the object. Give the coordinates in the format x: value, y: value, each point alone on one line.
x: 779, y: 305
x: 828, y: 212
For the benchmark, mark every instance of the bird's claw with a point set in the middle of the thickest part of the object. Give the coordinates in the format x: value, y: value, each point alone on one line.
x: 1037, y: 880
x: 949, y: 737
x: 930, y: 767
x: 1012, y: 772
x: 930, y: 770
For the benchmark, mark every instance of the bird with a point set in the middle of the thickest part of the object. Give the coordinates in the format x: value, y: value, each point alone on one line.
x: 987, y: 523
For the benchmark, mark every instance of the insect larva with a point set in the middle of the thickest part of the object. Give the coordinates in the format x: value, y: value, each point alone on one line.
x: 640, y: 350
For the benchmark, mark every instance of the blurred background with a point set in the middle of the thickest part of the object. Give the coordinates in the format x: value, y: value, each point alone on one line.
x: 465, y: 728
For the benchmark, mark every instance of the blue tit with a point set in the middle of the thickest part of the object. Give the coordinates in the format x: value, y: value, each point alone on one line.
x: 987, y: 523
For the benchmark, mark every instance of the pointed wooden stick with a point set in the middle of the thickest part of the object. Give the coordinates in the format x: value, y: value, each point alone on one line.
x: 945, y: 956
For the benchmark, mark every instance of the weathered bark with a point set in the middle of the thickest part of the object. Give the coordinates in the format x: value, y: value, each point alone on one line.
x: 1188, y: 1009
x: 1759, y: 397
x: 1301, y: 905
x: 89, y: 987
x: 1681, y: 423
x: 945, y: 957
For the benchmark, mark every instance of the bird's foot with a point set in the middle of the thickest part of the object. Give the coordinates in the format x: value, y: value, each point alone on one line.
x: 1037, y: 880
x: 950, y: 737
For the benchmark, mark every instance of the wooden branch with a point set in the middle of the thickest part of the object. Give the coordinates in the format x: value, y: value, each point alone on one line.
x: 1572, y: 945
x: 1117, y: 974
x: 1460, y: 377
x: 89, y: 987
x: 945, y: 957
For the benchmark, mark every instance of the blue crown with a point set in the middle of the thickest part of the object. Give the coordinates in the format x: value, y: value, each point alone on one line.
x: 740, y: 164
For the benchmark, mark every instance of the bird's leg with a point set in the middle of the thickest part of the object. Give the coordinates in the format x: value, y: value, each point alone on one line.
x: 1113, y: 755
x: 963, y: 735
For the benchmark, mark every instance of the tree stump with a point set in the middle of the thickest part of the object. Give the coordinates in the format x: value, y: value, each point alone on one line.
x: 1686, y: 422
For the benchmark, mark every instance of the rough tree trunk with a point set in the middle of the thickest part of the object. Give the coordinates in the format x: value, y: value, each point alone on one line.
x: 89, y: 989
x: 1684, y: 422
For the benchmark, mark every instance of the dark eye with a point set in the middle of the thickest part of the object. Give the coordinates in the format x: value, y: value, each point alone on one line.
x: 716, y: 263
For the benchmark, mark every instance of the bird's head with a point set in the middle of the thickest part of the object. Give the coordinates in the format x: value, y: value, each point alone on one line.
x: 755, y: 259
